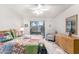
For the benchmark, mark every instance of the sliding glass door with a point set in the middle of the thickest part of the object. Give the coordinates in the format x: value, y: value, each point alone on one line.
x: 37, y: 27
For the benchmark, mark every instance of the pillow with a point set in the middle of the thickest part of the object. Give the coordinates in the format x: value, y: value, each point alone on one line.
x: 2, y: 37
x: 13, y: 33
x: 8, y: 35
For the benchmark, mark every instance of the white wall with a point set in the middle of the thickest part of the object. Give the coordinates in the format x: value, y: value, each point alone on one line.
x: 60, y: 19
x: 48, y: 21
x: 8, y: 19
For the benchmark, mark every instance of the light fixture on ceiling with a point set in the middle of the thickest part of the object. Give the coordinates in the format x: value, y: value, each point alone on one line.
x: 40, y: 9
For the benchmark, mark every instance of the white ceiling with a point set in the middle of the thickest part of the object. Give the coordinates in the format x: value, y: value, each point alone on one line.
x: 24, y: 10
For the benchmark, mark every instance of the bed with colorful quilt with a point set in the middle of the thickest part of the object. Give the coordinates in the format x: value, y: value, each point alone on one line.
x: 22, y: 45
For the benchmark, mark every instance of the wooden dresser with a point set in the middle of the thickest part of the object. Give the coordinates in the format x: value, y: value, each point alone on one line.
x: 69, y: 44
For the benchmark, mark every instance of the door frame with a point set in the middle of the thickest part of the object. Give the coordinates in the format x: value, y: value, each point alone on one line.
x: 43, y: 26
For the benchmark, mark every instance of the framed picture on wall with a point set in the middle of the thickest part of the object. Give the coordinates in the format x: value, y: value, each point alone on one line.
x: 71, y: 24
x: 26, y: 25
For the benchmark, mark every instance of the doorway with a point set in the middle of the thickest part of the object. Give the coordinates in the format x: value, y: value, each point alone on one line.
x: 37, y: 27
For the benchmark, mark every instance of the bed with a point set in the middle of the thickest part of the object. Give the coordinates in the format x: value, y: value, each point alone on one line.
x: 29, y: 44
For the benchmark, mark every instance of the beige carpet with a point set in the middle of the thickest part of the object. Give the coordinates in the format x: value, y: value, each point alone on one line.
x: 53, y: 48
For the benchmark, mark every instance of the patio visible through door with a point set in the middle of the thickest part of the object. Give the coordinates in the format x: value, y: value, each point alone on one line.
x: 37, y: 27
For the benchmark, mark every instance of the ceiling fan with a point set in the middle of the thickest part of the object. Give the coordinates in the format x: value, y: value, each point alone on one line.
x: 40, y: 8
